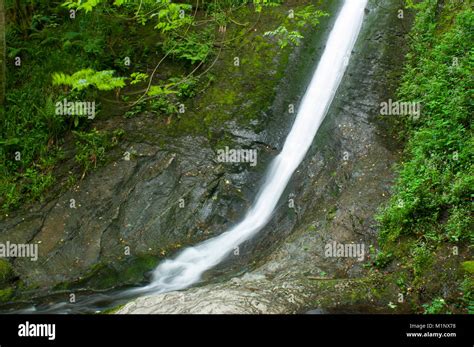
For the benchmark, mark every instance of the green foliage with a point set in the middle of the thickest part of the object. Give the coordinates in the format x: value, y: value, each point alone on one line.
x: 80, y: 80
x: 380, y: 258
x: 138, y: 77
x: 173, y: 16
x: 436, y: 179
x: 432, y: 200
x: 458, y: 227
x: 38, y: 182
x: 89, y: 5
x: 6, y: 271
x: 136, y: 109
x: 437, y: 306
x: 160, y: 91
x: 81, y: 56
x: 6, y: 294
x: 170, y: 16
x: 186, y: 87
x: 422, y: 258
x: 285, y: 37
x: 307, y: 15
x: 11, y: 196
x: 163, y: 98
x: 26, y: 156
x: 162, y: 105
x: 6, y: 276
x: 260, y: 4
x: 467, y: 288
x: 468, y: 266
x: 194, y: 47
x: 91, y: 147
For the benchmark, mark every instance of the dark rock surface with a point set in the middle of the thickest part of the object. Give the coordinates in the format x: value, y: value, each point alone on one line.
x: 337, y: 190
x: 137, y: 203
x: 121, y: 219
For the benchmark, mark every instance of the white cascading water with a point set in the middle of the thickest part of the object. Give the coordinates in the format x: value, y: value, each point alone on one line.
x: 187, y: 268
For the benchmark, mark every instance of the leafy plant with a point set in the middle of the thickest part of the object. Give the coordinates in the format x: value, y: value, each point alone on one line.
x: 193, y: 47
x: 308, y: 15
x: 436, y: 175
x: 422, y: 258
x: 102, y: 80
x: 186, y: 87
x: 284, y: 36
x: 431, y: 203
x: 137, y: 77
x: 91, y: 147
x: 162, y: 105
x: 437, y: 306
x: 160, y: 91
x: 173, y: 16
x: 38, y: 182
x: 382, y: 259
x: 260, y: 4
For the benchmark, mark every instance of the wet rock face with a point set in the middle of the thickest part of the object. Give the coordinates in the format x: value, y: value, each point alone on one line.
x: 148, y: 205
x: 138, y: 203
x: 336, y: 191
x: 171, y: 193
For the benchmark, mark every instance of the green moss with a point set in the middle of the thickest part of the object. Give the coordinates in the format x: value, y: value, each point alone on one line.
x: 107, y: 275
x: 6, y: 294
x: 139, y: 266
x: 369, y: 294
x: 112, y: 310
x: 468, y: 266
x: 6, y: 271
x: 227, y: 97
x: 331, y: 214
x: 422, y: 259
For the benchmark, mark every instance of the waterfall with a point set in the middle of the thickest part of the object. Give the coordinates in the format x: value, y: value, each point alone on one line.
x: 187, y: 268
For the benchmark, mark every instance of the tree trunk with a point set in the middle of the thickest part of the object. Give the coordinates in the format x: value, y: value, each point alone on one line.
x: 3, y: 52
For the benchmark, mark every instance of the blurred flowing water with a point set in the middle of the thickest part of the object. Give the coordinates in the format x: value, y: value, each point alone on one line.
x: 187, y: 268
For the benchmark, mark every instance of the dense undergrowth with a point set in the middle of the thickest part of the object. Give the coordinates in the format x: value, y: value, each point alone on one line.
x: 134, y: 58
x: 427, y: 228
x: 32, y: 132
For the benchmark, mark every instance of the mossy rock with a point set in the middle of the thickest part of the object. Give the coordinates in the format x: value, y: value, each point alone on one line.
x: 6, y: 294
x: 102, y: 276
x: 6, y: 271
x: 113, y: 310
